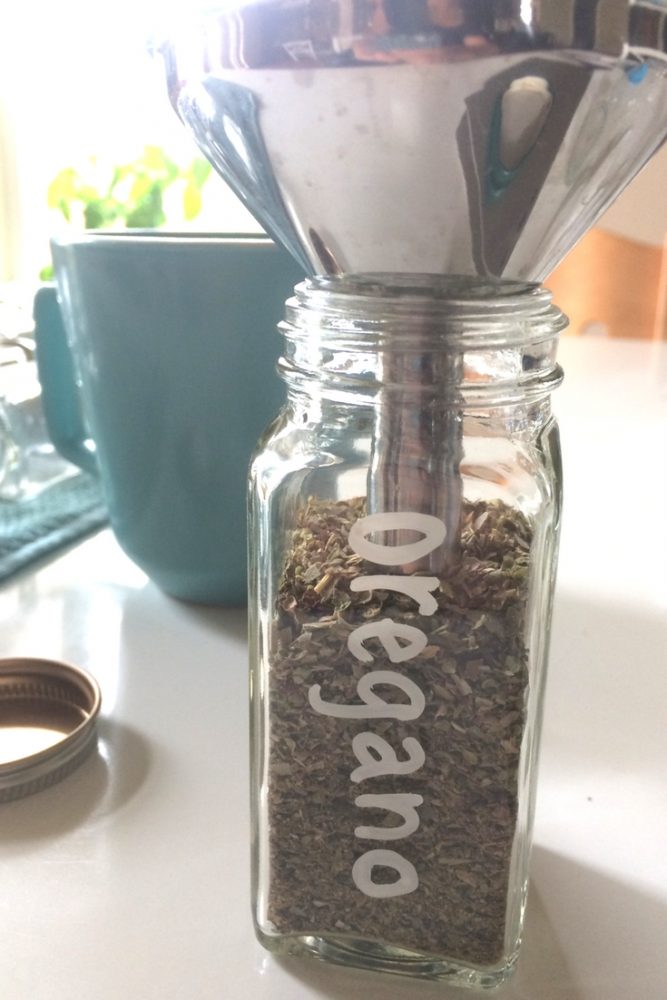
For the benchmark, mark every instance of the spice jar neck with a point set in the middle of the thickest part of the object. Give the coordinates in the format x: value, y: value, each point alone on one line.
x: 463, y: 341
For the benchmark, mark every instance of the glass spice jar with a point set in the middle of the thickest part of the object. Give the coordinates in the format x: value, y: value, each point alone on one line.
x: 404, y: 516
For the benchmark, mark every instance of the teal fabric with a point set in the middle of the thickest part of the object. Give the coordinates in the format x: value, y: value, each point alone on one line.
x: 57, y: 516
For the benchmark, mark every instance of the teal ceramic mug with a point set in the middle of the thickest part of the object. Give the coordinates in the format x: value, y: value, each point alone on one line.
x: 169, y: 354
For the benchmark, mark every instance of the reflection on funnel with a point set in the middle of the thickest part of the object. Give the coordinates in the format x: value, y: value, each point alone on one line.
x: 522, y: 114
x: 509, y: 147
x: 469, y: 137
x: 237, y: 148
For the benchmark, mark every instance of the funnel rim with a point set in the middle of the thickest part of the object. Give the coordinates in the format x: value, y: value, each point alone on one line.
x: 452, y: 295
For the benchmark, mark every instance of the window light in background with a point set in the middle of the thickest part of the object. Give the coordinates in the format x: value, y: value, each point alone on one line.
x: 76, y: 80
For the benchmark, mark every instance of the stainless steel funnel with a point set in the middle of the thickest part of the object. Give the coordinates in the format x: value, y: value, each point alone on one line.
x: 439, y: 136
x: 467, y: 137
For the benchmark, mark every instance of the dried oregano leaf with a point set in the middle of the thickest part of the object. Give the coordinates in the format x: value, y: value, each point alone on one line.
x: 474, y: 674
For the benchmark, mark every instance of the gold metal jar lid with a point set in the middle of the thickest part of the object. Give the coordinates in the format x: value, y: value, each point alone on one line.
x: 48, y: 717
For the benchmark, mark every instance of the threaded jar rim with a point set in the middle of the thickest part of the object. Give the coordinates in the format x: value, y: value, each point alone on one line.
x: 368, y: 310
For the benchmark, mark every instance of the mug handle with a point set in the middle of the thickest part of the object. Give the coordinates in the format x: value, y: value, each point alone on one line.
x: 61, y: 401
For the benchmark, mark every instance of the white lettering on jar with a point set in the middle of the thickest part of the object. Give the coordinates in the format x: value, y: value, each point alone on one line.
x: 374, y: 706
x: 417, y: 587
x: 362, y: 874
x: 375, y: 755
x: 403, y: 803
x: 432, y: 528
x: 388, y: 632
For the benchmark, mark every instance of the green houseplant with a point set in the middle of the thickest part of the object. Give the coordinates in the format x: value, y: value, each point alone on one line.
x: 133, y: 195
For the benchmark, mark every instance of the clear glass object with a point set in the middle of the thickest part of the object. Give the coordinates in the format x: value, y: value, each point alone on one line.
x: 28, y: 460
x: 404, y: 518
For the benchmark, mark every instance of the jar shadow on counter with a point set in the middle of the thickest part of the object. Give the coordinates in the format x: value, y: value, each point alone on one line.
x: 106, y: 781
x: 232, y: 621
x: 542, y: 970
x: 611, y: 933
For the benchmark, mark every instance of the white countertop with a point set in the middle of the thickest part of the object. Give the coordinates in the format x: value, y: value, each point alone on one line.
x: 130, y: 880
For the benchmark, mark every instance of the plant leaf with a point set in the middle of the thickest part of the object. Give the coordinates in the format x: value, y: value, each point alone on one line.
x: 200, y: 171
x: 191, y: 201
x: 149, y: 213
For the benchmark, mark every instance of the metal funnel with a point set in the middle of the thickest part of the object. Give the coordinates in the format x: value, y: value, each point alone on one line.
x: 477, y: 137
x: 445, y: 137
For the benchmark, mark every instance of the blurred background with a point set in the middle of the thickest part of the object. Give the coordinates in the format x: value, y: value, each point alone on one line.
x: 80, y: 100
